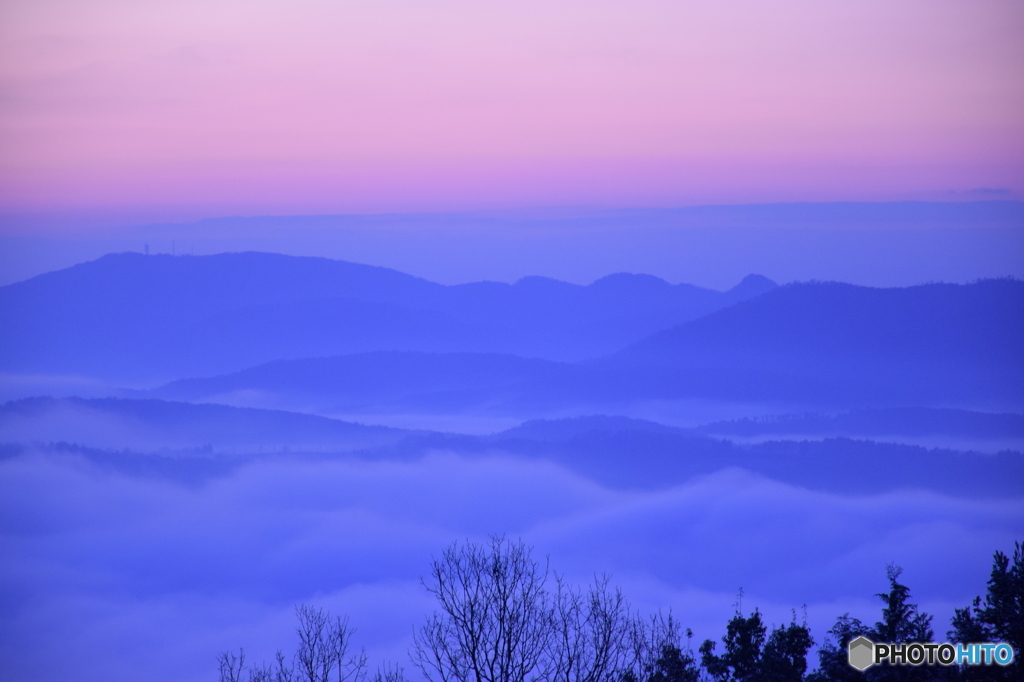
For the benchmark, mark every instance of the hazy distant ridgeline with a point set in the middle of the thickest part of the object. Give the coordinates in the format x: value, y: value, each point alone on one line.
x: 394, y: 381
x: 832, y: 345
x: 143, y: 424
x: 634, y: 453
x: 129, y: 317
x: 979, y: 324
x: 190, y: 442
x: 336, y: 337
x: 893, y: 421
x: 933, y: 344
x: 155, y: 425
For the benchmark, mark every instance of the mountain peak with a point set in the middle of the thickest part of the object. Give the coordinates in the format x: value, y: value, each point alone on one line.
x: 753, y: 285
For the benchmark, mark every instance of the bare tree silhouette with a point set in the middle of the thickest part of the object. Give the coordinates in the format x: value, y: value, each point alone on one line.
x: 495, y: 622
x: 322, y: 655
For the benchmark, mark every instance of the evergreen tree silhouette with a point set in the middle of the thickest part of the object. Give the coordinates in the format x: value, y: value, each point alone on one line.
x: 902, y: 622
x: 999, y: 618
x: 750, y: 656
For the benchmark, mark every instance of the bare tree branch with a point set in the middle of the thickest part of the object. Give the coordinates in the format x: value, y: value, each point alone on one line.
x: 591, y: 631
x: 494, y: 623
x: 231, y: 666
x: 323, y: 648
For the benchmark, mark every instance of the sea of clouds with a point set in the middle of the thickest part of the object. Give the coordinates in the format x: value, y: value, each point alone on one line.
x: 110, y: 576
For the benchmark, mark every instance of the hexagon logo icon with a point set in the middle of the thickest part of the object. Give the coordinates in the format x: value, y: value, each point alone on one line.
x: 861, y: 653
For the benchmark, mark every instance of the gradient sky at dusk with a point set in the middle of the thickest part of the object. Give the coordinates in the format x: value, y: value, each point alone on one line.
x: 878, y: 143
x: 199, y: 109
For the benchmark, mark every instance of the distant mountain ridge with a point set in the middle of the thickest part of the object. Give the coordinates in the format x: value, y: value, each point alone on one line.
x: 825, y: 344
x: 192, y: 443
x: 364, y: 338
x: 146, y: 424
x: 826, y: 341
x: 819, y: 318
x: 129, y: 317
x: 902, y: 421
x: 389, y: 381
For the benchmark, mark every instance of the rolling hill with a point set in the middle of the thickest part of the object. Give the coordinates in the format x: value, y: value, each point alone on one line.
x: 834, y: 343
x: 156, y: 425
x: 193, y: 443
x: 145, y: 319
x: 828, y: 345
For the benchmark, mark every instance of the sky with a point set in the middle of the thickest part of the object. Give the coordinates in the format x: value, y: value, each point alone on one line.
x: 875, y: 142
x: 164, y: 110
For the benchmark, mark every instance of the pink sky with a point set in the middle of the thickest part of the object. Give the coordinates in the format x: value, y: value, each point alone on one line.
x: 217, y: 106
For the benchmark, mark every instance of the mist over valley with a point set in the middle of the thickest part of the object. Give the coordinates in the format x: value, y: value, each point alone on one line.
x: 259, y: 430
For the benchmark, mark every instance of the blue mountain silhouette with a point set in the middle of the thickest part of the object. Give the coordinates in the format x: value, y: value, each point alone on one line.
x: 892, y: 421
x: 366, y: 337
x: 153, y: 425
x: 133, y: 318
x: 190, y: 443
x: 826, y: 344
x: 838, y: 343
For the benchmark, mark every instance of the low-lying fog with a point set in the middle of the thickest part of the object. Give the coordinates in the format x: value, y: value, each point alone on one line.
x: 114, y: 576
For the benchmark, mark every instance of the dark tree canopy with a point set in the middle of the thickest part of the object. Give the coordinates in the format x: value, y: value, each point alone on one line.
x: 997, y: 618
x: 902, y: 621
x: 751, y: 656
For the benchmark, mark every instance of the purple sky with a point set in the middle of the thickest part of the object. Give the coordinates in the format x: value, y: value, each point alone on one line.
x: 489, y: 140
x: 197, y: 109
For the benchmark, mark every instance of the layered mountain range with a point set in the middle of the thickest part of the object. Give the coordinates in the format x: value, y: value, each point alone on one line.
x: 343, y: 336
x: 248, y: 355
x: 134, y: 318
